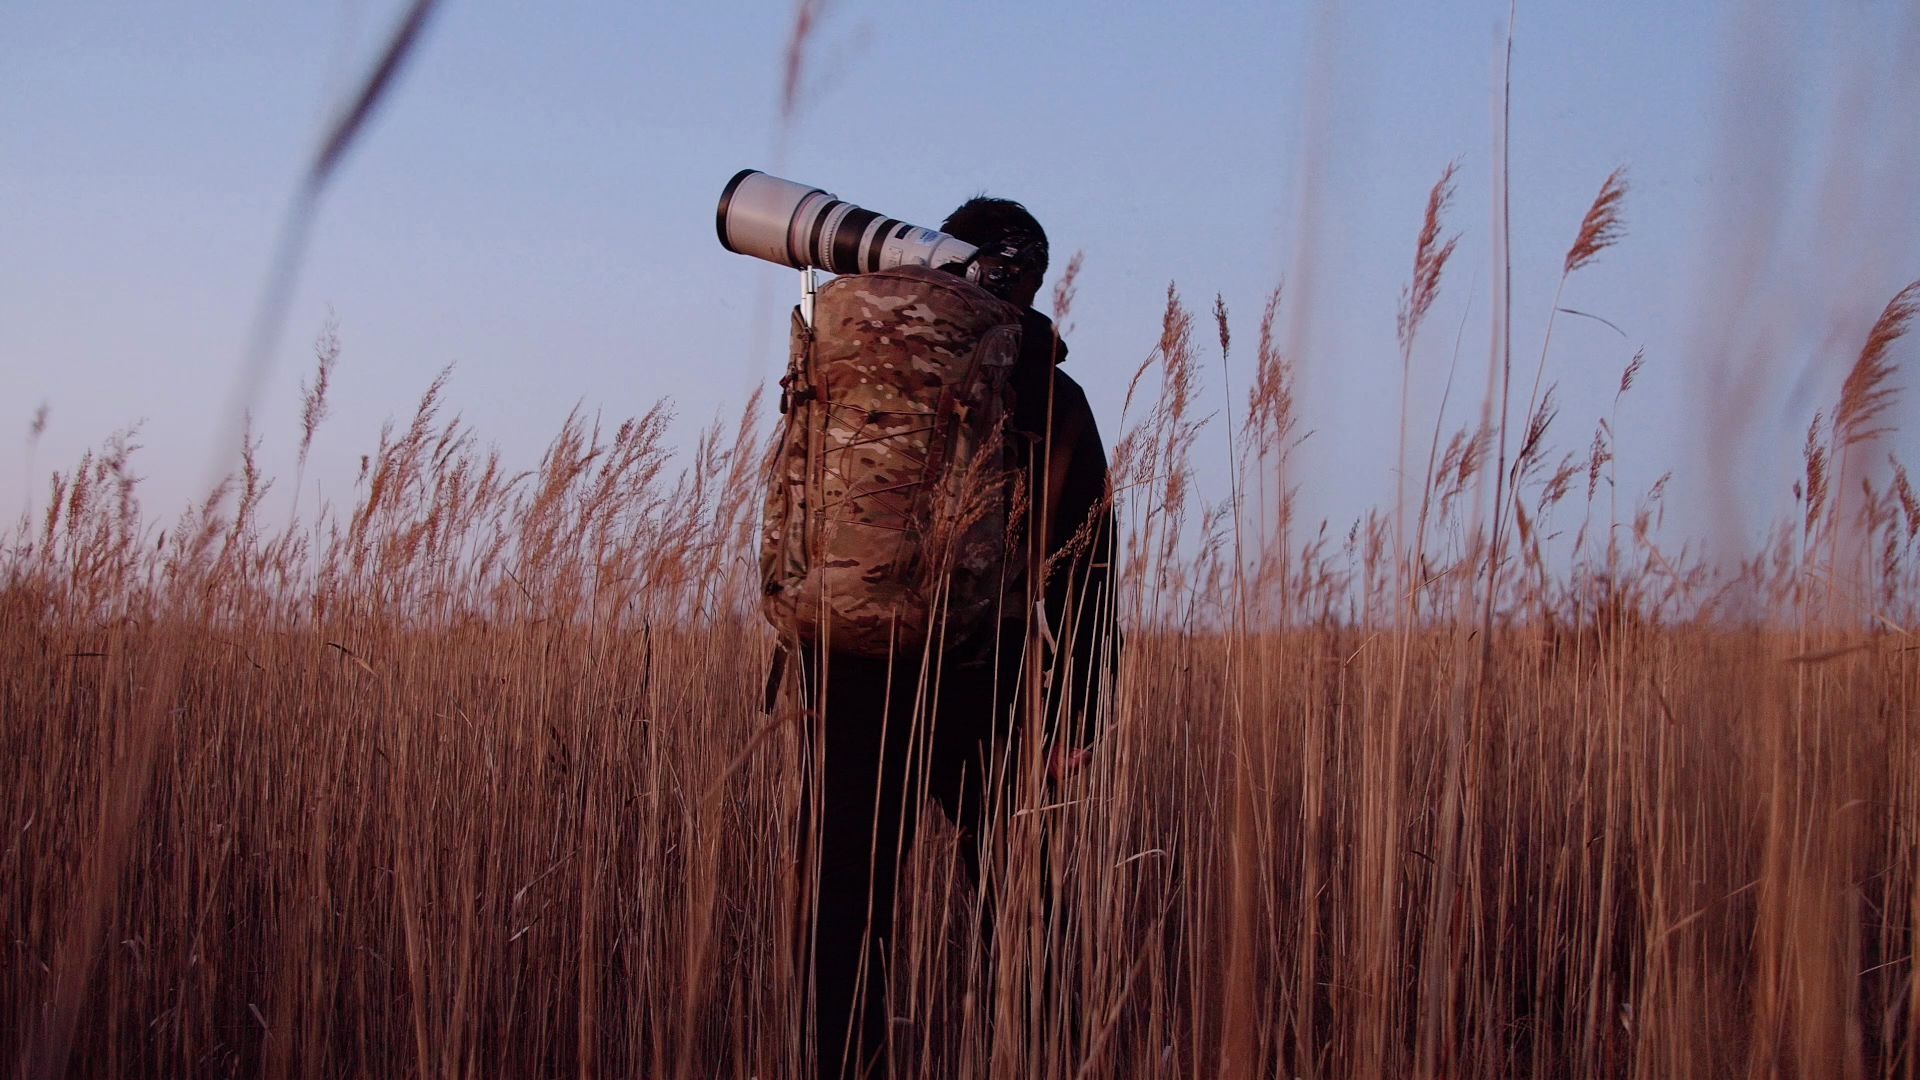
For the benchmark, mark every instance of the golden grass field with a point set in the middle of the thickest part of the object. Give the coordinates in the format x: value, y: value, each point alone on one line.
x: 469, y: 777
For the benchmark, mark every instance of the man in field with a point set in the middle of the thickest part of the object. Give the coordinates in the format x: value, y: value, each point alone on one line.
x: 899, y: 733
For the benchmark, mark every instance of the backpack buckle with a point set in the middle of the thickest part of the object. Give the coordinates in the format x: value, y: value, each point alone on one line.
x: 793, y: 391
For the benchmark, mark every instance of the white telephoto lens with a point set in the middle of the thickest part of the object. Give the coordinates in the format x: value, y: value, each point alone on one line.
x: 800, y: 226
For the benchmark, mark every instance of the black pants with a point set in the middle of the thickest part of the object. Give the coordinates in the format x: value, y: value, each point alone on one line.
x: 885, y: 753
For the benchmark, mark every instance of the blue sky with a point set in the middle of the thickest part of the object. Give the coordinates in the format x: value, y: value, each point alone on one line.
x: 534, y: 206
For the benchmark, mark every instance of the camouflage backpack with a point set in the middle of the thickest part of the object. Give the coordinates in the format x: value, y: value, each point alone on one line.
x: 886, y: 521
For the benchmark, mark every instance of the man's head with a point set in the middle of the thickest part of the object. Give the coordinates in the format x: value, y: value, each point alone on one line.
x: 1007, y: 235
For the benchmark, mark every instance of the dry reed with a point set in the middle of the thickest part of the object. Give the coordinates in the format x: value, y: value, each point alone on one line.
x: 469, y: 778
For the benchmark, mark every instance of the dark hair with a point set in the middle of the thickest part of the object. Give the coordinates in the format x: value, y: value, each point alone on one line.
x: 984, y: 220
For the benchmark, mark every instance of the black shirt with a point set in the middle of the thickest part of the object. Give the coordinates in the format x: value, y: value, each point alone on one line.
x: 1052, y: 416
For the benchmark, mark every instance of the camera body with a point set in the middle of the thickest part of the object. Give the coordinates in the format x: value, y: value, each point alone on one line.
x: 800, y: 226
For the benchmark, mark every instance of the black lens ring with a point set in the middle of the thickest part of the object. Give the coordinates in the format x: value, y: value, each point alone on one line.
x: 870, y: 258
x: 726, y: 203
x: 812, y: 258
x: 846, y: 239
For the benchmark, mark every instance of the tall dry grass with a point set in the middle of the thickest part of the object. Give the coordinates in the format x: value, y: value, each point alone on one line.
x: 469, y: 778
